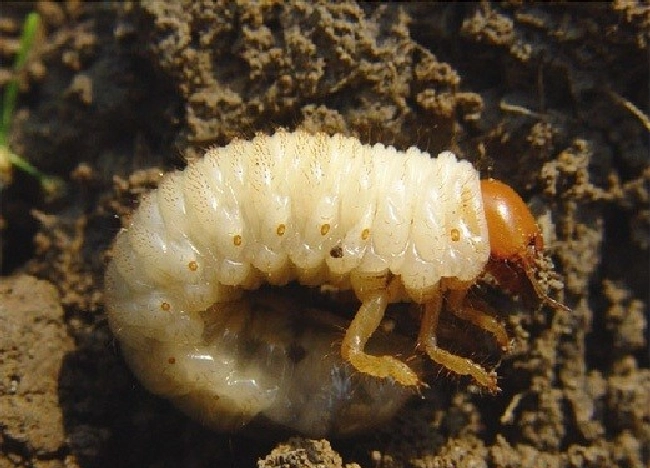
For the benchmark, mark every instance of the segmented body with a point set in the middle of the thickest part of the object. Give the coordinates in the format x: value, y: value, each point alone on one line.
x: 293, y: 206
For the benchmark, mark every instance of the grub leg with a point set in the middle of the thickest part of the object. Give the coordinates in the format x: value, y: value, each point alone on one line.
x: 464, y: 310
x: 427, y: 341
x: 360, y: 330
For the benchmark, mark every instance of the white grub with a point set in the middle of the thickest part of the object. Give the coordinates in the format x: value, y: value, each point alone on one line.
x: 292, y: 207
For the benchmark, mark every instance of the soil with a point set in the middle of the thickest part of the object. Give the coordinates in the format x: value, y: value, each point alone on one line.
x: 551, y: 98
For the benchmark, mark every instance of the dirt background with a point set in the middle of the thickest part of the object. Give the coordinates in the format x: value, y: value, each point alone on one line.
x: 551, y: 98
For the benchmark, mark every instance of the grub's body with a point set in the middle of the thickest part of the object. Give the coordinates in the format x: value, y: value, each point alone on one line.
x: 318, y: 209
x: 273, y: 210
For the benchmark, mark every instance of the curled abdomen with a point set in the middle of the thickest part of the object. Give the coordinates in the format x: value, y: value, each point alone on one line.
x: 269, y: 359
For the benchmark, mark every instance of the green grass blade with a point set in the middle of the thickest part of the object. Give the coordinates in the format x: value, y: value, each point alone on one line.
x: 30, y: 27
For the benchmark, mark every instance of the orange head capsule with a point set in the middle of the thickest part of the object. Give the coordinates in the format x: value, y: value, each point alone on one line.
x: 515, y: 240
x: 514, y: 234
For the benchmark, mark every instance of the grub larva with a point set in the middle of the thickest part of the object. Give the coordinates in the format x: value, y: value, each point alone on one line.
x: 317, y: 210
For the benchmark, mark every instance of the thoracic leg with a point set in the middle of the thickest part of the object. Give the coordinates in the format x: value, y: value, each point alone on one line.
x: 427, y: 341
x: 462, y: 309
x: 359, y: 332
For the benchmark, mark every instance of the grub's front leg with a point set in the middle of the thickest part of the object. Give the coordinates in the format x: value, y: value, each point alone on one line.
x: 359, y: 332
x: 427, y: 341
x: 461, y: 308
